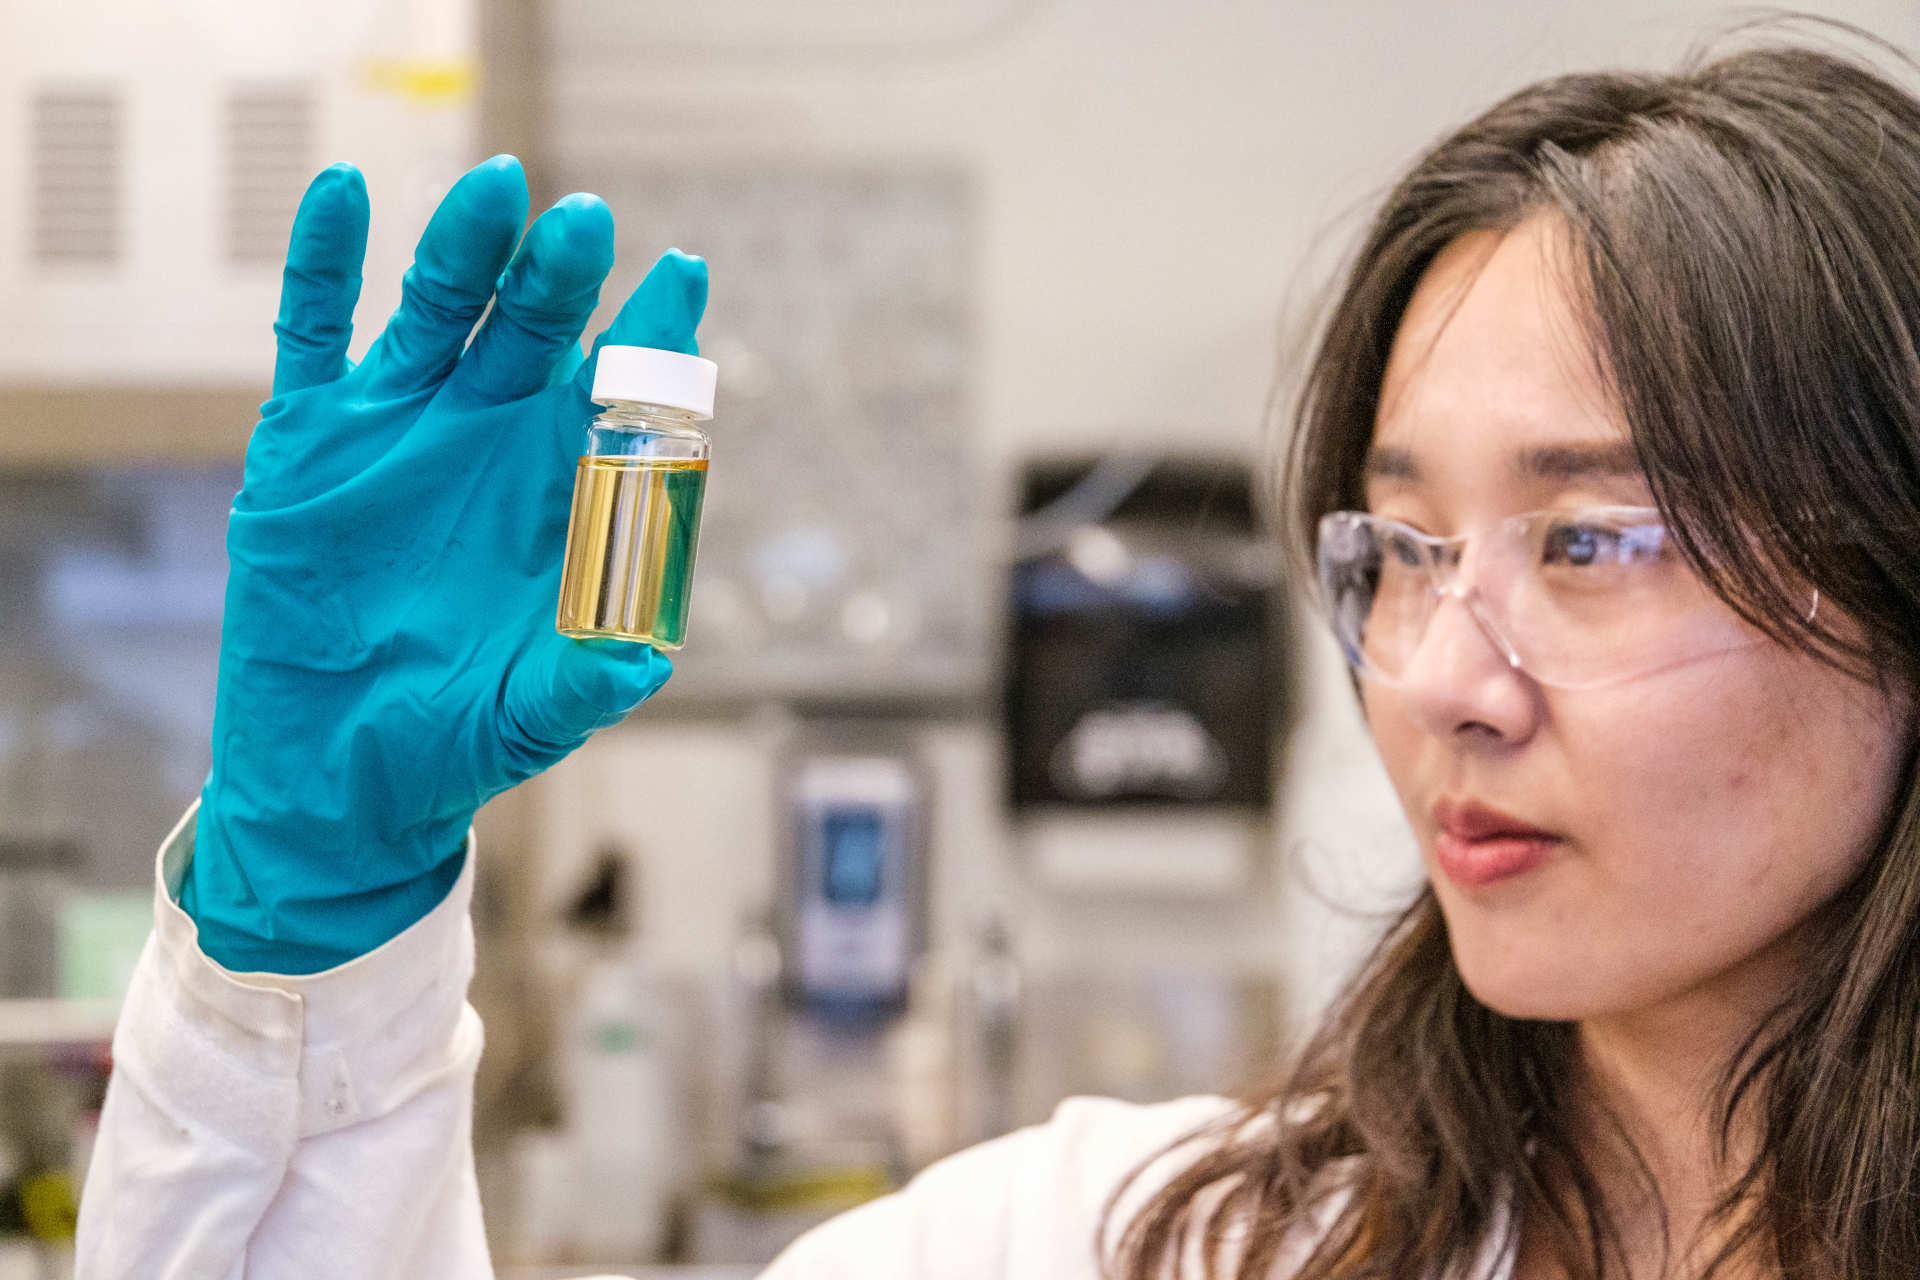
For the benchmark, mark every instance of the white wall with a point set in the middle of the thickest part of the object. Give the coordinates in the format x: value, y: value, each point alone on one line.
x: 1155, y: 171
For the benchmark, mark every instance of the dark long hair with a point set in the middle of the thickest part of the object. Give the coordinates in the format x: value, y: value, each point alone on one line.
x: 1746, y: 237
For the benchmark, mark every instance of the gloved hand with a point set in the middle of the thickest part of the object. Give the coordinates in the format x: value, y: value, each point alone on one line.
x: 388, y: 659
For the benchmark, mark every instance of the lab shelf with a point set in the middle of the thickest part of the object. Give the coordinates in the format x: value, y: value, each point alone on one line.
x: 52, y: 1024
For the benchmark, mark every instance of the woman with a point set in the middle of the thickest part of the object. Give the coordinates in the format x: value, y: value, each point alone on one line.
x: 1609, y: 460
x: 1657, y: 1004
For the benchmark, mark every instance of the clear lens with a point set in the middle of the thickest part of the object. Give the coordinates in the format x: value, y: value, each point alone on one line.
x: 1574, y: 598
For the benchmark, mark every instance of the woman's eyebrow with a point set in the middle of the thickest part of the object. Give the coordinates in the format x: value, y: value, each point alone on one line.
x: 1385, y: 462
x: 1564, y: 463
x: 1561, y: 463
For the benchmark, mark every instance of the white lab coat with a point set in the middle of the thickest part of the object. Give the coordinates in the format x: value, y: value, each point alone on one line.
x: 274, y: 1127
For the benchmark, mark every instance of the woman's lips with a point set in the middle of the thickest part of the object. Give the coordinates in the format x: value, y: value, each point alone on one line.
x: 1478, y: 845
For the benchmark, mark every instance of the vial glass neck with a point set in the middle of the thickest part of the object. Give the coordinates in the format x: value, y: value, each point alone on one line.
x: 639, y: 413
x: 635, y: 430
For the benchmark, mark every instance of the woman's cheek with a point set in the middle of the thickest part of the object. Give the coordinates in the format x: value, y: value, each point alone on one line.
x: 1709, y: 815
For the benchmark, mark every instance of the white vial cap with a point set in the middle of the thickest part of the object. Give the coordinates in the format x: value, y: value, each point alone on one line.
x: 653, y: 376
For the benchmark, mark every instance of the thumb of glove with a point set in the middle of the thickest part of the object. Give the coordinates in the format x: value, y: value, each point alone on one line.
x: 562, y: 691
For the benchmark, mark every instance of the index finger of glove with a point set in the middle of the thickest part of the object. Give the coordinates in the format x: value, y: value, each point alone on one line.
x: 321, y: 282
x: 544, y: 299
x: 663, y: 312
x: 460, y: 254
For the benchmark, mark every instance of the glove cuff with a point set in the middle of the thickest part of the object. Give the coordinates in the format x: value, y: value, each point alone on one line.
x: 277, y: 894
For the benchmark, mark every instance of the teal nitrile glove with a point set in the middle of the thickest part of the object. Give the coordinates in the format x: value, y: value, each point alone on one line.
x: 388, y: 659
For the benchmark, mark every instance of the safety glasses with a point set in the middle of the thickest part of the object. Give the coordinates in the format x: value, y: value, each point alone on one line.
x: 1575, y: 598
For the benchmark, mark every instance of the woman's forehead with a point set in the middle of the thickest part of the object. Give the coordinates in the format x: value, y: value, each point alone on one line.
x: 1492, y: 374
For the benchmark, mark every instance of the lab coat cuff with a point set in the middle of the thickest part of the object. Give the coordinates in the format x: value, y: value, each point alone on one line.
x: 361, y: 1037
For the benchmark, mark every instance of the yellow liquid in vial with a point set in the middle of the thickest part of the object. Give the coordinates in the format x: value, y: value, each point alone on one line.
x: 630, y: 546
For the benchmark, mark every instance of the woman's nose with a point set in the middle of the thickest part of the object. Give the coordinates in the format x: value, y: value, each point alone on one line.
x: 1459, y: 680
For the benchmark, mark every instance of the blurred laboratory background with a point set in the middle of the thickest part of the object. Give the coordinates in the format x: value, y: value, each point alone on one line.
x: 1006, y: 760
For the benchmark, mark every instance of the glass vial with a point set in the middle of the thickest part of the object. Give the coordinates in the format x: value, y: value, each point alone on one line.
x: 636, y: 499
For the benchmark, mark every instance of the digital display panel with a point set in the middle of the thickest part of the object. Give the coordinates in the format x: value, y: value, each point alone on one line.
x: 852, y: 841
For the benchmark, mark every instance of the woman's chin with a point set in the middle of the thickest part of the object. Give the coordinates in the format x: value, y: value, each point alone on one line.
x: 1527, y: 991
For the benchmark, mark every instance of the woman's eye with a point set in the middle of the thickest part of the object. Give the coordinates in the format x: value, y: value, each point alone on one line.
x: 1578, y: 545
x: 1404, y: 552
x: 1581, y: 544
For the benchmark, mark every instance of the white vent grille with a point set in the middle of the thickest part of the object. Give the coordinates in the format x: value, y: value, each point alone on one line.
x: 76, y: 177
x: 270, y: 146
